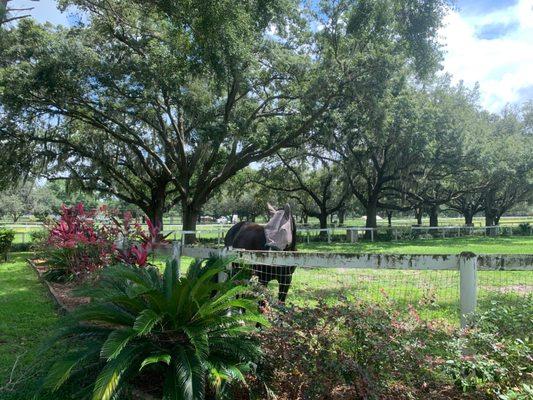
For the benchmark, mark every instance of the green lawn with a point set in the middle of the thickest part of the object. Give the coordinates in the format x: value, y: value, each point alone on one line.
x: 26, y: 316
x: 476, y: 244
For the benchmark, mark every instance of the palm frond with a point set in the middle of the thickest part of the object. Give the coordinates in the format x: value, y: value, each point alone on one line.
x: 116, y: 341
x: 146, y: 321
x: 166, y: 358
x: 108, y: 380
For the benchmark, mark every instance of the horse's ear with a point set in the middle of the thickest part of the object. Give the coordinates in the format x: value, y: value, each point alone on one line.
x: 287, y: 209
x: 271, y: 210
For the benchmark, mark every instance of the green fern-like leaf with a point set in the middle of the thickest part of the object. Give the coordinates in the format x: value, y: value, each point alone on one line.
x: 116, y: 342
x: 146, y: 321
x: 156, y: 359
x: 108, y: 380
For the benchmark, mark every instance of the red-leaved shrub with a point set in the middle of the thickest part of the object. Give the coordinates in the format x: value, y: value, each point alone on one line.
x: 84, y: 241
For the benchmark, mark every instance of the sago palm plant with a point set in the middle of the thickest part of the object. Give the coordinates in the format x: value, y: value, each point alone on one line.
x: 181, y: 334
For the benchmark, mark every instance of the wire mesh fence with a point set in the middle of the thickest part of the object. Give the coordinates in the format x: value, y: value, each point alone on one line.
x: 437, y: 287
x: 508, y: 287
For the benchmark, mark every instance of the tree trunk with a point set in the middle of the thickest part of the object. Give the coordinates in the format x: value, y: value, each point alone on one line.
x: 418, y: 216
x: 434, y: 216
x: 323, y: 220
x: 389, y: 218
x: 489, y: 209
x: 371, y: 217
x: 155, y: 214
x: 341, y: 214
x: 189, y: 218
x: 469, y: 218
x: 157, y: 207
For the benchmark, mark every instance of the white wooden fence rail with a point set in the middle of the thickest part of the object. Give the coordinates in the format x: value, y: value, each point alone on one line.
x: 466, y: 263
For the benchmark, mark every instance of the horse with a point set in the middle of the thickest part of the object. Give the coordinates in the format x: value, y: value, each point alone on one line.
x: 278, y: 234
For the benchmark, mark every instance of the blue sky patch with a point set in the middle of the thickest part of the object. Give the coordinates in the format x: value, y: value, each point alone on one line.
x: 496, y: 30
x: 472, y: 7
x: 525, y: 93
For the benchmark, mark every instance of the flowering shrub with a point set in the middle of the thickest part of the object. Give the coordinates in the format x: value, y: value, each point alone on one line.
x: 82, y: 242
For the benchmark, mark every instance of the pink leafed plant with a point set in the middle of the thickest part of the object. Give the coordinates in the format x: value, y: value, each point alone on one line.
x: 82, y: 241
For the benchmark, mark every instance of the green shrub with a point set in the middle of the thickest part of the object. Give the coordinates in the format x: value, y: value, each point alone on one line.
x: 355, y: 351
x: 367, y: 351
x: 19, y: 247
x: 182, y: 335
x: 6, y: 239
x: 524, y: 229
x: 495, y: 355
x: 38, y: 240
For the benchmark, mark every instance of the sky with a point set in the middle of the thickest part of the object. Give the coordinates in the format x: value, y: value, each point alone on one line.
x: 486, y: 41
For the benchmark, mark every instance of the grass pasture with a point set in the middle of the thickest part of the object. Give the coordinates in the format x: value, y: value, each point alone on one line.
x: 434, y: 294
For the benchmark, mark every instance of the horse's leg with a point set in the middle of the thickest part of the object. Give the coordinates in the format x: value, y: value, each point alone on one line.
x: 284, y: 279
x: 262, y: 275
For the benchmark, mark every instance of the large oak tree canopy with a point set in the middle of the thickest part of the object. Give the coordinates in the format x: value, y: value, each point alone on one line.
x: 161, y: 102
x: 157, y: 109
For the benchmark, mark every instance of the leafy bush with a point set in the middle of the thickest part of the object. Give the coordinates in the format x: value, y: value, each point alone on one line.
x: 19, y: 247
x: 6, y: 239
x: 181, y: 335
x: 524, y: 229
x: 38, y: 240
x: 345, y: 352
x: 365, y: 351
x: 494, y: 356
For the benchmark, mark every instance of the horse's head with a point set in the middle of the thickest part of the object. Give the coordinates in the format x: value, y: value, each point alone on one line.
x: 279, y: 231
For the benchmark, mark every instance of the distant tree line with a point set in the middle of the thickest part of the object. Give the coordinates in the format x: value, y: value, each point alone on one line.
x: 334, y: 107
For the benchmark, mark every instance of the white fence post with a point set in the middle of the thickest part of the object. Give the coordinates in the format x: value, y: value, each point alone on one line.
x: 176, y: 254
x: 329, y: 235
x: 222, y: 275
x: 467, y: 286
x: 371, y: 234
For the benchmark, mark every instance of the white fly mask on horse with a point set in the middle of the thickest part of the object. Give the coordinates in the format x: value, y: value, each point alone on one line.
x: 278, y: 231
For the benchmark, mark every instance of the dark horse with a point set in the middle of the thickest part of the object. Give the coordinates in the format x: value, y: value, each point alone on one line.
x: 278, y: 234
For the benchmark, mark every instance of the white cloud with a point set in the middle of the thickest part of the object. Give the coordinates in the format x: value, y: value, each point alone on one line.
x: 502, y: 66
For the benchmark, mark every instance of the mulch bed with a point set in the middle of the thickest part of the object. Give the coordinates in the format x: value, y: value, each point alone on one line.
x: 61, y: 293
